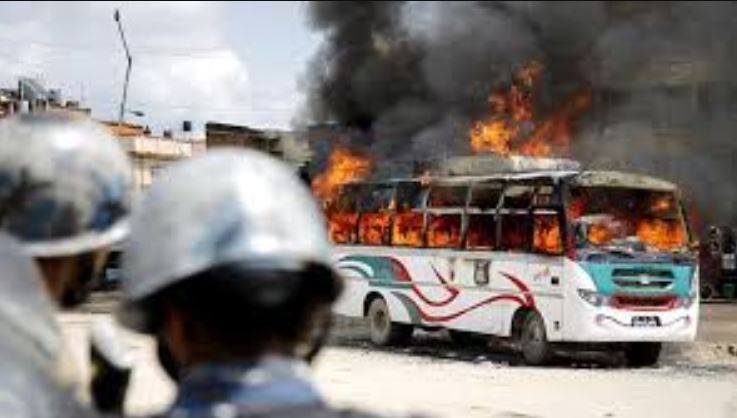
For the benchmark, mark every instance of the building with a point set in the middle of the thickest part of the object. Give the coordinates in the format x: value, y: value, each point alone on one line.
x: 150, y: 153
x: 222, y: 134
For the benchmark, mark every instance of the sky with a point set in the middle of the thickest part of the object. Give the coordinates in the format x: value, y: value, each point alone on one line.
x: 237, y: 62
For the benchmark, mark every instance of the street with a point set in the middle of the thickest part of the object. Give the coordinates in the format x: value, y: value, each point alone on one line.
x: 439, y: 379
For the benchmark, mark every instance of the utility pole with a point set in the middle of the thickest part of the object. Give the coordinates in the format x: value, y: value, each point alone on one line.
x: 129, y: 59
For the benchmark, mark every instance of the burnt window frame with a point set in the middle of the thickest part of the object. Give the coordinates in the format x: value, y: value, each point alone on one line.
x: 493, y: 212
x: 555, y: 206
x: 361, y: 209
x: 459, y: 210
x: 503, y: 211
x: 417, y: 207
x: 350, y: 191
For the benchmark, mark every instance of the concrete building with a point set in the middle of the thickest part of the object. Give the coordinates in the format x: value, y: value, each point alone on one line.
x: 149, y: 153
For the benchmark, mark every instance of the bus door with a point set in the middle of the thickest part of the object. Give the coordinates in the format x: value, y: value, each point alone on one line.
x: 545, y: 264
x: 477, y: 264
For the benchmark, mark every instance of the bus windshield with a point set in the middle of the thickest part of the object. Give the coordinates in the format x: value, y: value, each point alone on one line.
x: 642, y: 219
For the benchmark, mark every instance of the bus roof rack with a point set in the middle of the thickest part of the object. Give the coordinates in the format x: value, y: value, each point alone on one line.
x: 496, y: 164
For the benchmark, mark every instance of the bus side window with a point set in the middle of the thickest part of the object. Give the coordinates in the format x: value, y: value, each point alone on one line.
x: 481, y: 232
x: 342, y: 216
x: 482, y: 208
x: 546, y: 232
x: 375, y: 206
x: 514, y: 218
x: 408, y: 221
x: 446, y: 204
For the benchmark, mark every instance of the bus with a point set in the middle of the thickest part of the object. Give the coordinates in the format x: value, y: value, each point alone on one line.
x: 546, y: 259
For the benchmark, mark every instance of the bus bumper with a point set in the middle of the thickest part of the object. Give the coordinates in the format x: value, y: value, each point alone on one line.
x: 615, y: 325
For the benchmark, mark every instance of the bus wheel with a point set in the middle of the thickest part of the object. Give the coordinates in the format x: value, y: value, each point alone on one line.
x: 536, y: 350
x: 384, y: 332
x: 642, y: 354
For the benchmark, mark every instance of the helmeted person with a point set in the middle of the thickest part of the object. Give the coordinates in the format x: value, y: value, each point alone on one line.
x: 228, y: 267
x: 30, y: 343
x: 65, y: 195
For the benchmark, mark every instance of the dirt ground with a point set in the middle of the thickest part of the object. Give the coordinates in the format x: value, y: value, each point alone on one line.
x: 437, y: 378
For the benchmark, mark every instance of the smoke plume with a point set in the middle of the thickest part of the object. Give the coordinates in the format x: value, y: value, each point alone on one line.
x: 414, y: 76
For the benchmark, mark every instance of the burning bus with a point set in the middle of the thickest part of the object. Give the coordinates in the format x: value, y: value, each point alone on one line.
x: 540, y: 256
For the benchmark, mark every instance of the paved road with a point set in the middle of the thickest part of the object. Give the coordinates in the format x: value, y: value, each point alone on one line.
x: 438, y: 378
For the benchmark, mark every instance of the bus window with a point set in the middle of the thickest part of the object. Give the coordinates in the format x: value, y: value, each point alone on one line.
x: 444, y: 230
x: 518, y: 196
x: 447, y: 197
x: 444, y: 224
x: 408, y: 221
x: 342, y: 216
x: 546, y: 233
x: 481, y: 232
x: 373, y: 224
x: 513, y: 235
x: 486, y: 196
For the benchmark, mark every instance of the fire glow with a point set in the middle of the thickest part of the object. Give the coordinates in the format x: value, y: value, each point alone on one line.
x: 514, y: 127
x: 344, y: 166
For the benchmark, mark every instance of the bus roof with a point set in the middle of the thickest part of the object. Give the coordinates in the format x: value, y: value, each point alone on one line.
x: 622, y: 179
x: 593, y: 178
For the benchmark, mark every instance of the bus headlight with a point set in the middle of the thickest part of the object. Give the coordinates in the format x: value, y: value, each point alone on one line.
x: 593, y: 298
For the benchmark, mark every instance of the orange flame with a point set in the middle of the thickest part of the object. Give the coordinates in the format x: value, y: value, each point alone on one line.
x: 343, y: 167
x: 661, y: 234
x: 512, y: 127
x: 444, y: 231
x: 547, y: 236
x: 407, y: 229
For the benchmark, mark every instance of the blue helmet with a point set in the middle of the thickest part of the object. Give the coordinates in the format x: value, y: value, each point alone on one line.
x: 65, y: 184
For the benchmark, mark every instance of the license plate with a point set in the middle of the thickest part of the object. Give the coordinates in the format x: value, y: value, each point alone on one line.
x: 645, y: 321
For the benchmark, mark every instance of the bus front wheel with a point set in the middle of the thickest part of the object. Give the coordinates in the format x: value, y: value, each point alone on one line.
x: 534, y: 344
x: 642, y: 354
x: 384, y: 332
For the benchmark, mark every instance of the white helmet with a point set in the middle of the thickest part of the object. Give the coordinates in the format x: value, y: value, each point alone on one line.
x: 224, y: 207
x: 65, y: 184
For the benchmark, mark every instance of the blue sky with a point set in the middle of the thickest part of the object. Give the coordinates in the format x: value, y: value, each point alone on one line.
x: 237, y: 62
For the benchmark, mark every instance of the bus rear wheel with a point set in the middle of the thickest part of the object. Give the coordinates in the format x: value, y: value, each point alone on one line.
x: 534, y: 344
x: 643, y: 354
x: 385, y: 332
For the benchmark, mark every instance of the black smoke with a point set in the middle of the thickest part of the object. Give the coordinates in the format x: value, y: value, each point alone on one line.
x: 413, y: 76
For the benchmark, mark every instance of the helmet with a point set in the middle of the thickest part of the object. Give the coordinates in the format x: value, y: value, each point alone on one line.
x: 27, y: 319
x: 64, y: 184
x: 224, y: 207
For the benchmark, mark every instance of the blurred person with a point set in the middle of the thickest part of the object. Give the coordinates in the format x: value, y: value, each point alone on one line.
x: 228, y: 267
x: 65, y: 195
x: 30, y: 343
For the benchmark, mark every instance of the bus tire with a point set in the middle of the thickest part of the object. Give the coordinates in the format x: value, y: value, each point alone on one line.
x: 385, y: 332
x: 642, y: 354
x: 534, y: 345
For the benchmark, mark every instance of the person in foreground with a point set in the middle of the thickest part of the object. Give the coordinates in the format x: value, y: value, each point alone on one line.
x: 228, y: 267
x: 65, y: 187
